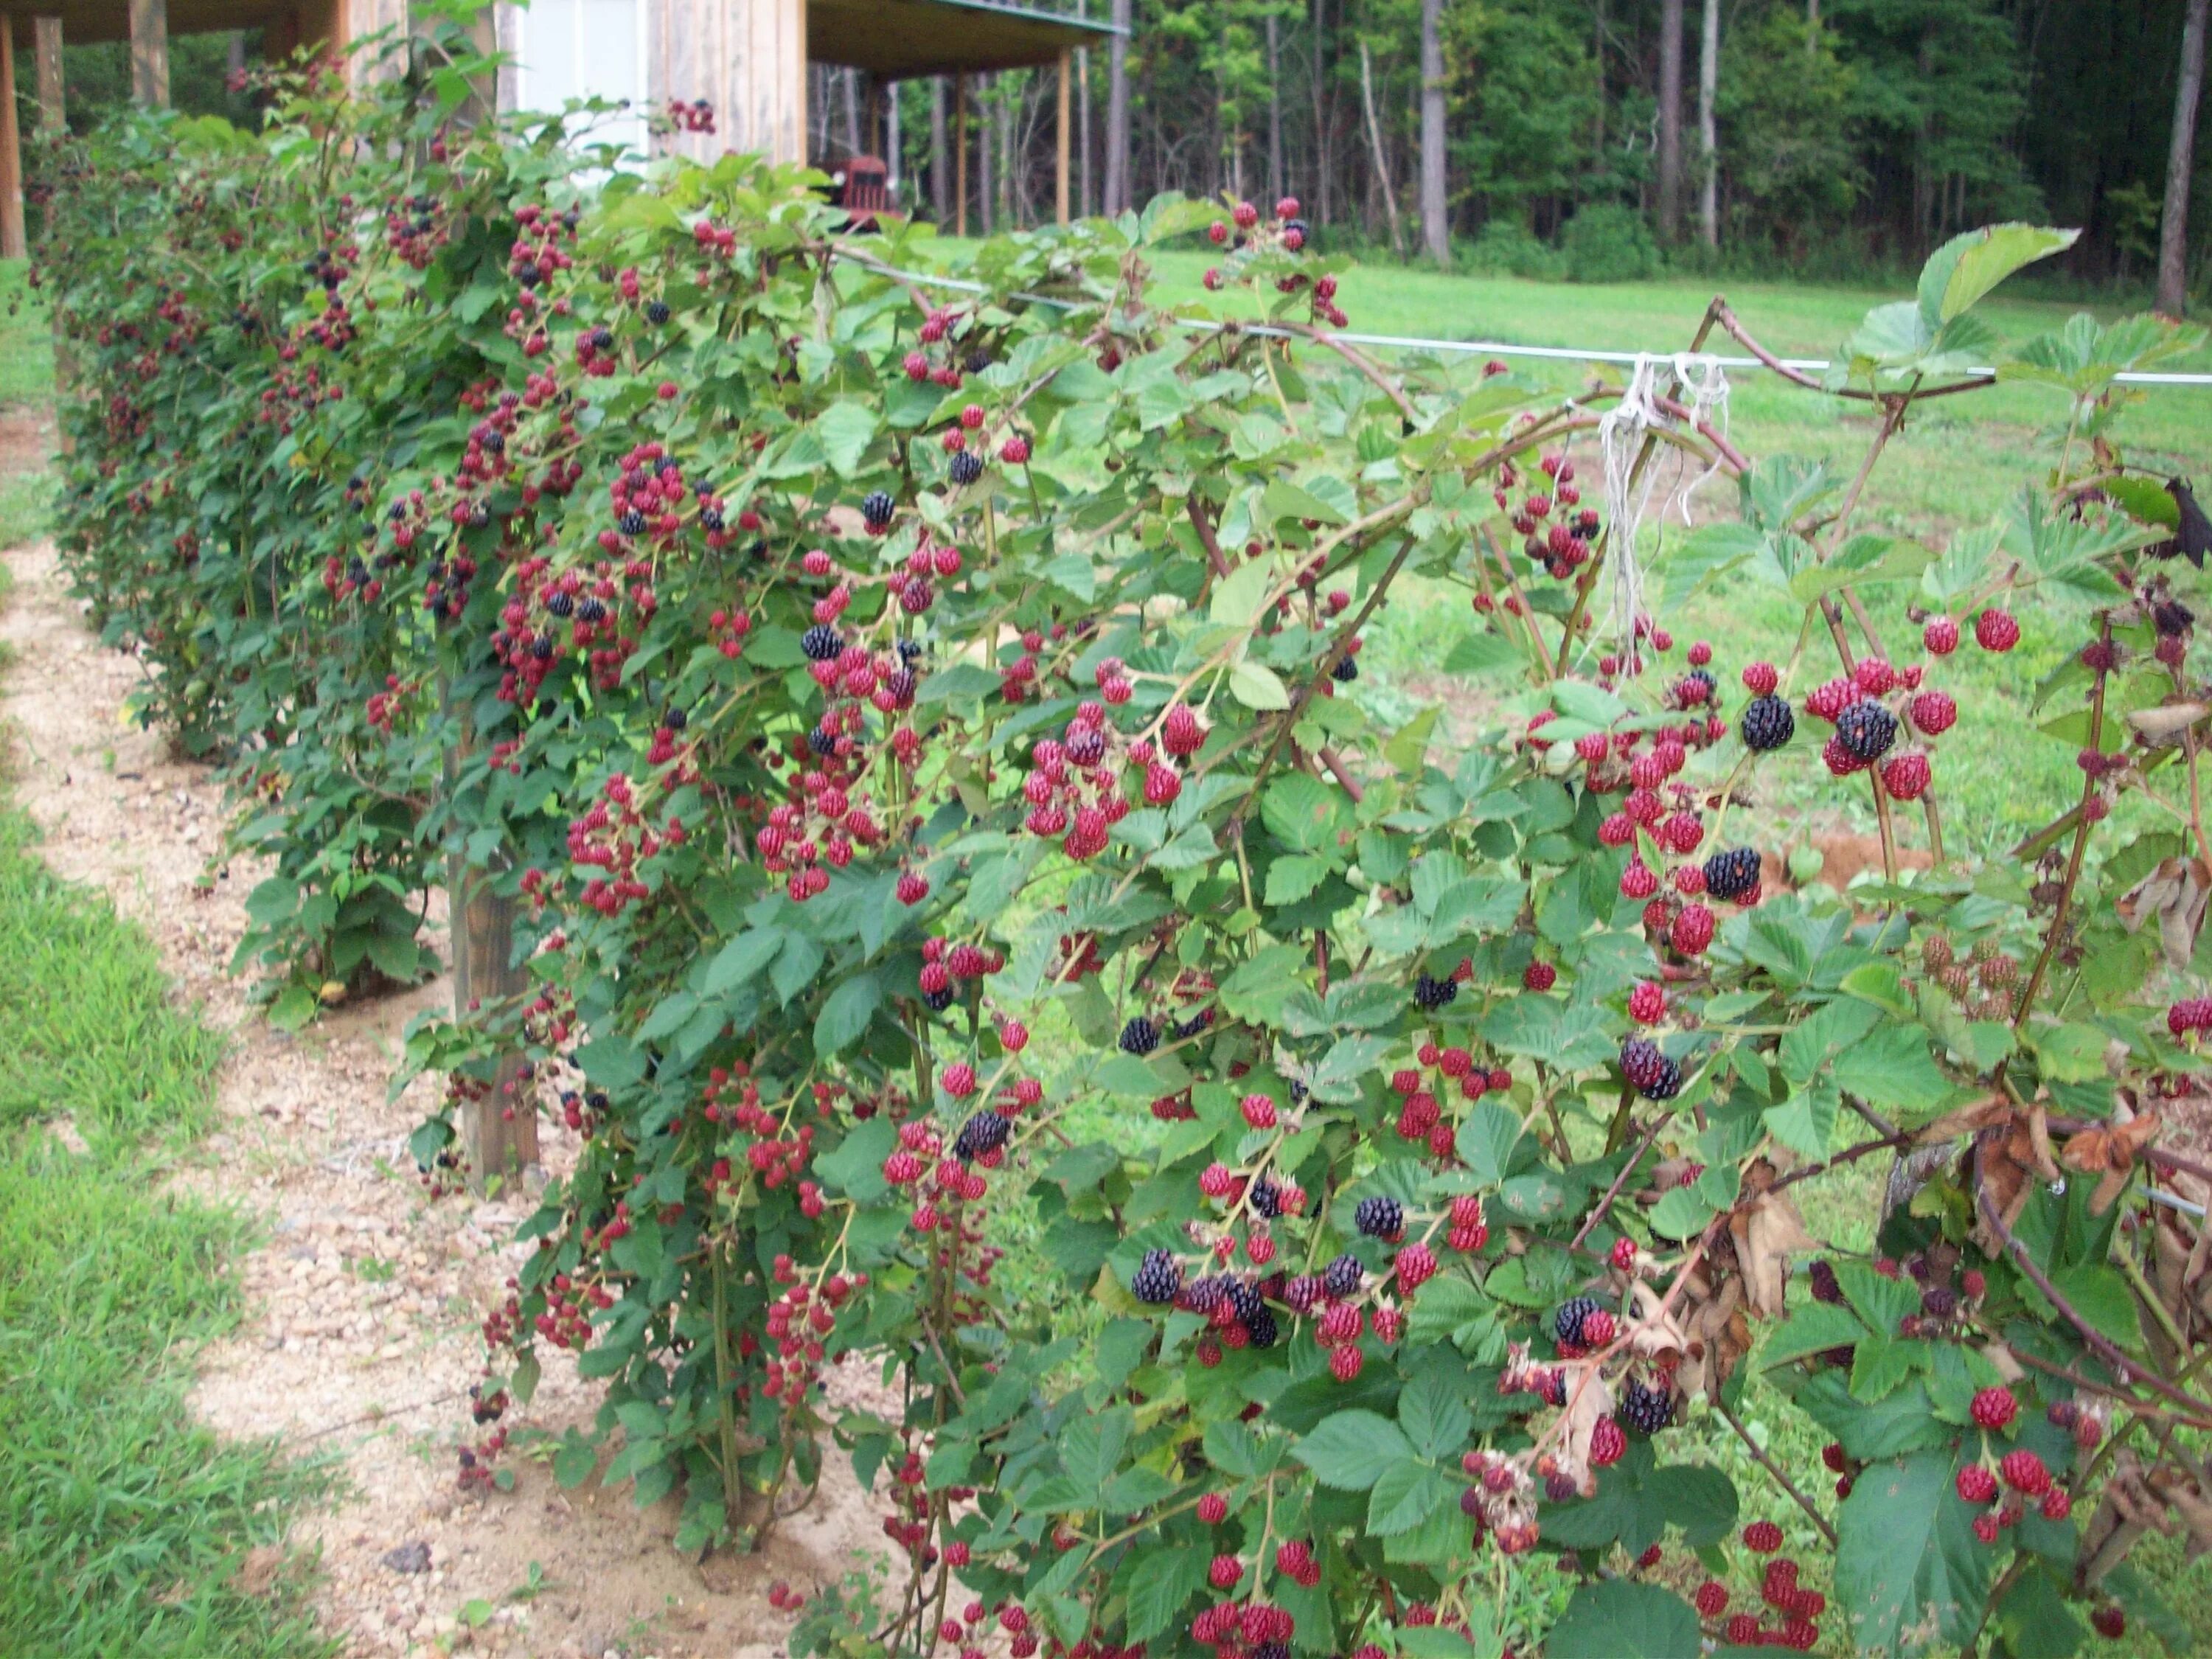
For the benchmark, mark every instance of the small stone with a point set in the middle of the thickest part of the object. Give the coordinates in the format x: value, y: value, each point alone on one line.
x: 409, y: 1557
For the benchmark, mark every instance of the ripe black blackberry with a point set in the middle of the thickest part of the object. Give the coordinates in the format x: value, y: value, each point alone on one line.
x: 631, y: 523
x: 1649, y: 1071
x: 937, y: 1001
x: 1767, y: 724
x: 1433, y: 993
x: 821, y: 643
x: 1645, y: 1409
x: 656, y: 312
x: 1346, y: 671
x: 1567, y: 1323
x: 710, y: 518
x: 977, y: 360
x: 1268, y: 1197
x: 591, y: 610
x: 1158, y: 1277
x: 1261, y: 1328
x: 823, y: 741
x: 877, y: 507
x: 1202, y: 1295
x: 2172, y: 618
x: 561, y: 605
x: 1380, y: 1217
x: 967, y: 467
x: 1139, y: 1036
x: 1087, y: 746
x: 542, y: 647
x: 1244, y: 1300
x: 675, y: 719
x: 1731, y: 874
x: 1867, y: 730
x: 984, y: 1133
x: 1344, y: 1276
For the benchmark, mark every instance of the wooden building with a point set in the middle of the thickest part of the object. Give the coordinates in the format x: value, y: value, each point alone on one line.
x: 747, y: 58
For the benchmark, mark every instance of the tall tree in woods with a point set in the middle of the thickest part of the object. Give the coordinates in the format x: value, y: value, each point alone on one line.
x: 1436, y: 218
x: 2180, y: 163
x: 1118, y: 191
x: 1709, y: 161
x: 1670, y: 121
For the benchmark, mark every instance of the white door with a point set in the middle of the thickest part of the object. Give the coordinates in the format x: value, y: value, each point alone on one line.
x: 585, y: 49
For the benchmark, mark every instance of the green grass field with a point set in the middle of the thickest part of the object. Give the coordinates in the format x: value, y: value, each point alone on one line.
x: 123, y: 1524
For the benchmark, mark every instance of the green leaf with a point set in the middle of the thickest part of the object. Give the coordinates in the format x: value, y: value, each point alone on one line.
x: 1256, y: 686
x: 856, y: 1167
x: 574, y: 1463
x: 1159, y: 1583
x: 846, y: 1014
x: 1435, y: 1416
x: 1814, y: 1328
x: 741, y: 958
x: 1351, y: 1450
x: 1287, y: 500
x: 1892, y: 1067
x: 845, y: 431
x: 1910, y: 1573
x: 1238, y: 596
x: 1698, y: 1498
x: 1617, y: 1619
x: 1304, y: 813
x: 1487, y: 1135
x: 1258, y: 988
x: 1294, y: 877
x: 1968, y: 266
x: 1405, y: 1495
x: 2035, y: 1619
x: 1804, y: 1122
x: 1680, y: 1213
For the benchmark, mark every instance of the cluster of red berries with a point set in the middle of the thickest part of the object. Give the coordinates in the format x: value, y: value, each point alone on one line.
x: 1559, y: 545
x: 798, y: 1322
x: 931, y: 364
x: 1074, y: 785
x: 944, y: 965
x: 414, y: 230
x: 1420, y: 1110
x: 697, y: 116
x: 613, y: 837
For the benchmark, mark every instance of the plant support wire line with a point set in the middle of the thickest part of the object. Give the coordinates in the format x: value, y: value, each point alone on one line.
x: 1499, y: 347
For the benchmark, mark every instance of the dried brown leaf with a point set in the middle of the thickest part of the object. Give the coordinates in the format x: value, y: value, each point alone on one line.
x: 2174, y: 895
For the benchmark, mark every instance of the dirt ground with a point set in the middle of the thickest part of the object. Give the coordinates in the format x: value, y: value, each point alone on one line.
x: 360, y: 1338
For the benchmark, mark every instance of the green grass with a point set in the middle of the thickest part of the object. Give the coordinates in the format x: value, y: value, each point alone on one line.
x: 123, y: 1524
x: 27, y: 344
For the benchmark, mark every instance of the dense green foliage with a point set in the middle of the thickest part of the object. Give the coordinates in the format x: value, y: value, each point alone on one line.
x: 910, y: 714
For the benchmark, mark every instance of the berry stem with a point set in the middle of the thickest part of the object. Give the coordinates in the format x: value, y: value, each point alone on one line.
x: 2082, y: 822
x: 1759, y: 1457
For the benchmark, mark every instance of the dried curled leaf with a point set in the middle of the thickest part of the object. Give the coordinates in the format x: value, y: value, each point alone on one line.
x: 2109, y: 1152
x: 2174, y: 895
x: 1767, y: 1229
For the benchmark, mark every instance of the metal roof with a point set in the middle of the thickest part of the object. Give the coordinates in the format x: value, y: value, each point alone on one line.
x: 898, y: 40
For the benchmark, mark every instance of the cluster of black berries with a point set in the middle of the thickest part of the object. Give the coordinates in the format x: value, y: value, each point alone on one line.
x: 1646, y: 1409
x: 1268, y: 1197
x: 1431, y: 992
x: 1732, y: 874
x: 1649, y: 1071
x: 1567, y: 1322
x: 1159, y: 1279
x: 981, y: 1135
x: 1380, y: 1217
x: 1252, y: 1312
x: 1139, y: 1036
x: 822, y: 643
x: 1767, y: 724
x: 1866, y: 729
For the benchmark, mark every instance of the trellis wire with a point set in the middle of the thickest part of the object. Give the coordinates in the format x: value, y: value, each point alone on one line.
x: 1500, y: 347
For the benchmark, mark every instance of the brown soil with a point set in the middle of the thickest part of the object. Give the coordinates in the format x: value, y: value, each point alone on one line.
x: 360, y: 1337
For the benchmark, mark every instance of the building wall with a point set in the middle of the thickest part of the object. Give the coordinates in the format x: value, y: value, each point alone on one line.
x: 747, y: 58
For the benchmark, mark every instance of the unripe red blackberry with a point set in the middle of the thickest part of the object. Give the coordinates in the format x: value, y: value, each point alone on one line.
x: 1940, y: 636
x: 1693, y: 930
x: 1647, y: 1003
x: 1213, y: 1508
x: 1539, y: 976
x: 1996, y: 630
x: 1934, y: 713
x: 1622, y: 1256
x: 1742, y: 1630
x: 1638, y: 881
x: 1759, y: 678
x: 2056, y: 1504
x: 2110, y: 1621
x: 1762, y: 1538
x: 2024, y: 1471
x: 1836, y: 757
x: 1607, y: 1444
x: 1416, y: 1265
x: 1598, y: 1329
x: 1224, y: 1572
x: 1015, y: 451
x: 1993, y: 1408
x: 1977, y: 1485
x: 1345, y: 1361
x: 1906, y: 777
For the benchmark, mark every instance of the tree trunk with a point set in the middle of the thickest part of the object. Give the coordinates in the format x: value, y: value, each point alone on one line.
x: 985, y: 161
x: 1381, y: 156
x: 1670, y: 121
x: 1709, y: 75
x: 1275, y: 190
x: 1117, y: 113
x: 1435, y: 223
x: 1083, y: 117
x: 2180, y: 162
x: 1597, y: 58
x: 1324, y: 197
x: 852, y: 79
x: 940, y: 165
